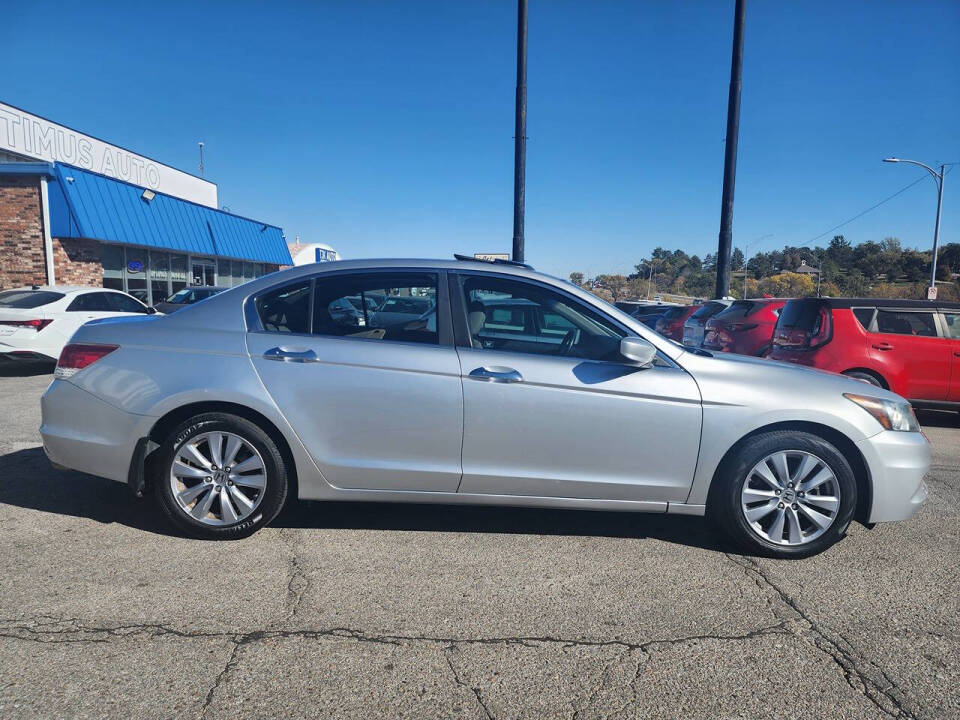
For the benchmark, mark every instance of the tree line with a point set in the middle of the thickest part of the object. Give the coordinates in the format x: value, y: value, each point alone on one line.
x: 871, y: 269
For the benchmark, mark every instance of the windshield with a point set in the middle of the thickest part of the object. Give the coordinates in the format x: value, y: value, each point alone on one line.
x: 800, y: 315
x: 180, y: 296
x: 26, y: 299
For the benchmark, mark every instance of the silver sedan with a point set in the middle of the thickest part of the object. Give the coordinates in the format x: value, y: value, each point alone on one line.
x: 513, y: 388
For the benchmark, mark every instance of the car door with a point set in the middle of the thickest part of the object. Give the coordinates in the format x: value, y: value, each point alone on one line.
x: 551, y: 409
x: 951, y: 327
x: 918, y: 360
x: 378, y: 404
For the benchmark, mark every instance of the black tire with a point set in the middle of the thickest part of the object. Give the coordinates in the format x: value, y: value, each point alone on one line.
x: 864, y: 377
x: 724, y: 505
x: 274, y: 493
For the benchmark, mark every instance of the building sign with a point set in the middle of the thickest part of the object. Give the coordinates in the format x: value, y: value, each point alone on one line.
x: 33, y: 137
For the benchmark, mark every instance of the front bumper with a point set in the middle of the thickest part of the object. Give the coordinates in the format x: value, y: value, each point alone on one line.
x: 898, y: 462
x: 84, y: 433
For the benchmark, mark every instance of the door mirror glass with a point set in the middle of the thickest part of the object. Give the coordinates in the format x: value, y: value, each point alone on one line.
x: 638, y: 350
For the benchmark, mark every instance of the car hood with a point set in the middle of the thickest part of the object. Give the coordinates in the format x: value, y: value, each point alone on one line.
x: 776, y: 378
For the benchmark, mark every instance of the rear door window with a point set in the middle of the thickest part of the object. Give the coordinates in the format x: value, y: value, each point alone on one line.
x: 951, y: 323
x: 864, y: 316
x: 901, y: 322
x: 28, y: 299
x: 123, y: 303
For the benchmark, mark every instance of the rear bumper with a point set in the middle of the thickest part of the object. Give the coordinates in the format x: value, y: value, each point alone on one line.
x: 898, y: 462
x: 82, y: 432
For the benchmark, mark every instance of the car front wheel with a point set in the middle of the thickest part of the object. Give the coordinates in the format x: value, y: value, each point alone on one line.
x: 785, y: 494
x: 220, y: 477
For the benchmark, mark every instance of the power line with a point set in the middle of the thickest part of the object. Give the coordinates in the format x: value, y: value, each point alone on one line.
x: 869, y: 209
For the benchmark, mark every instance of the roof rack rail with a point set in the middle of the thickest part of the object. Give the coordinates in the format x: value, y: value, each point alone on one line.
x: 492, y: 261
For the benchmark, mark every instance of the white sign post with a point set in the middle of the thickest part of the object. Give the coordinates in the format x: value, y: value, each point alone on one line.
x: 35, y: 137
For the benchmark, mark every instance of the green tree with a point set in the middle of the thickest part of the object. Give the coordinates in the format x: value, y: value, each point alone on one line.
x: 736, y: 260
x: 577, y: 278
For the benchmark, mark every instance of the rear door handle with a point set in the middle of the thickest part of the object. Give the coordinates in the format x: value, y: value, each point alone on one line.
x: 496, y: 374
x: 290, y: 355
x: 882, y: 346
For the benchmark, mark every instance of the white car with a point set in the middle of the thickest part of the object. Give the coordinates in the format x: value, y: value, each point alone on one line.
x: 36, y: 322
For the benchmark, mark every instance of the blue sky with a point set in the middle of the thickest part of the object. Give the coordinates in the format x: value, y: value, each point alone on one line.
x: 385, y: 128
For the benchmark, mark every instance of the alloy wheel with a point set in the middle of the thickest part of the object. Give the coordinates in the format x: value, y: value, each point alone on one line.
x: 791, y: 497
x: 218, y: 478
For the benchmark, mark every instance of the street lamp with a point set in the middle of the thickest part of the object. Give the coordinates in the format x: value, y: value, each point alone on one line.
x: 938, y: 176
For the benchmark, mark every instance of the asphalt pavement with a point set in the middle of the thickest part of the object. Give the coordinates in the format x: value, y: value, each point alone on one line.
x: 380, y: 611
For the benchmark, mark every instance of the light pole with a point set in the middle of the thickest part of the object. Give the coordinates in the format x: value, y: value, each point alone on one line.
x: 938, y: 176
x: 649, y: 278
x: 746, y: 259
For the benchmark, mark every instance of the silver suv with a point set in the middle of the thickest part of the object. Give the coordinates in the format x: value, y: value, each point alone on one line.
x: 515, y: 388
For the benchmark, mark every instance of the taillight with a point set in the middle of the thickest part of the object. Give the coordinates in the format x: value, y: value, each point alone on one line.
x: 37, y: 325
x: 77, y: 356
x: 823, y: 328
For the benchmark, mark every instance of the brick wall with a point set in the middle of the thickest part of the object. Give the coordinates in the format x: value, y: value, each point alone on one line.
x: 77, y: 262
x: 21, y: 233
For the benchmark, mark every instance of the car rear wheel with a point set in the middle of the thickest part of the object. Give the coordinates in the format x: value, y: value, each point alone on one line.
x: 785, y: 494
x: 864, y: 377
x: 220, y: 477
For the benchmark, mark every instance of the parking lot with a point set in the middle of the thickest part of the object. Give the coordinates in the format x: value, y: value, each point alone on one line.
x: 387, y: 611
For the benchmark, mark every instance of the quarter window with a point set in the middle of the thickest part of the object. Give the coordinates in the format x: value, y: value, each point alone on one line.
x: 90, y: 302
x: 864, y: 316
x: 906, y: 323
x: 516, y: 316
x: 286, y: 309
x: 117, y: 302
x: 400, y: 307
x: 952, y: 323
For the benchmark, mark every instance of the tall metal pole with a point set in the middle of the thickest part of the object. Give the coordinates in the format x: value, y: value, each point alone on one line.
x: 725, y: 244
x: 520, y: 134
x: 936, y: 229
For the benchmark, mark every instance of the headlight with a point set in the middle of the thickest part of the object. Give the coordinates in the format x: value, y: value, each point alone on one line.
x: 892, y: 414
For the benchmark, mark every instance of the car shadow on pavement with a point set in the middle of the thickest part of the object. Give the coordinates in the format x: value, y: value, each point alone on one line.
x: 939, y: 418
x: 677, y: 529
x: 28, y: 480
x: 26, y: 368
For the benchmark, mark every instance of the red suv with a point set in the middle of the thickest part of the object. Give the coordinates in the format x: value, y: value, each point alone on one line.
x: 746, y: 327
x: 670, y: 324
x: 911, y: 347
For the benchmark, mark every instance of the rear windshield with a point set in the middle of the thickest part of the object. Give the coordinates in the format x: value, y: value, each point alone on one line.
x: 708, y: 310
x: 800, y: 315
x: 739, y: 310
x: 27, y: 299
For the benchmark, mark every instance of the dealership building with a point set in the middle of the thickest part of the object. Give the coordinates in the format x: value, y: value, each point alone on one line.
x: 75, y: 210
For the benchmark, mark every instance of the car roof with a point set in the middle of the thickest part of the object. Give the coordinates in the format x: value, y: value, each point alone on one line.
x: 847, y: 303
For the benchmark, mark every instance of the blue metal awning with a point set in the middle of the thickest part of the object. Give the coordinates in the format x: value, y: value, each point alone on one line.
x: 87, y: 205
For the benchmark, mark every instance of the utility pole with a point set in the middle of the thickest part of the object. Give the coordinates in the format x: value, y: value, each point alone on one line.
x: 520, y: 135
x: 725, y: 244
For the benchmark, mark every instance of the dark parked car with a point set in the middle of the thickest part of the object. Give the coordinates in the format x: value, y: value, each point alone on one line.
x: 187, y: 296
x: 911, y: 347
x: 745, y: 328
x: 670, y: 324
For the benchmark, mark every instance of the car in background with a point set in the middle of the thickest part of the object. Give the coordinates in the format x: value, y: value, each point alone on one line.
x: 694, y: 326
x: 187, y: 296
x: 582, y: 408
x: 398, y: 309
x: 36, y: 322
x: 670, y: 324
x: 745, y: 328
x: 650, y: 314
x: 911, y: 347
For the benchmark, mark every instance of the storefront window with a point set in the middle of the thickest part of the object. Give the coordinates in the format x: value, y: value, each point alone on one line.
x: 257, y: 270
x: 159, y: 277
x: 112, y: 258
x: 178, y: 272
x: 237, y: 273
x: 247, y: 271
x: 223, y: 273
x: 136, y: 272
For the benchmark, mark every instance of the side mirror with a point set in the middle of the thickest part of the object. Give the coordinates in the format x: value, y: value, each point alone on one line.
x: 151, y: 310
x: 638, y: 350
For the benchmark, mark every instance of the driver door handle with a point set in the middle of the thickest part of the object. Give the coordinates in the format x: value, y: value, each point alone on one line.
x: 290, y: 355
x: 496, y: 374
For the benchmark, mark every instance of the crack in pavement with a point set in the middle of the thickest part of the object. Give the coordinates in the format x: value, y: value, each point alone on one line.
x: 837, y: 647
x: 298, y: 582
x: 458, y: 681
